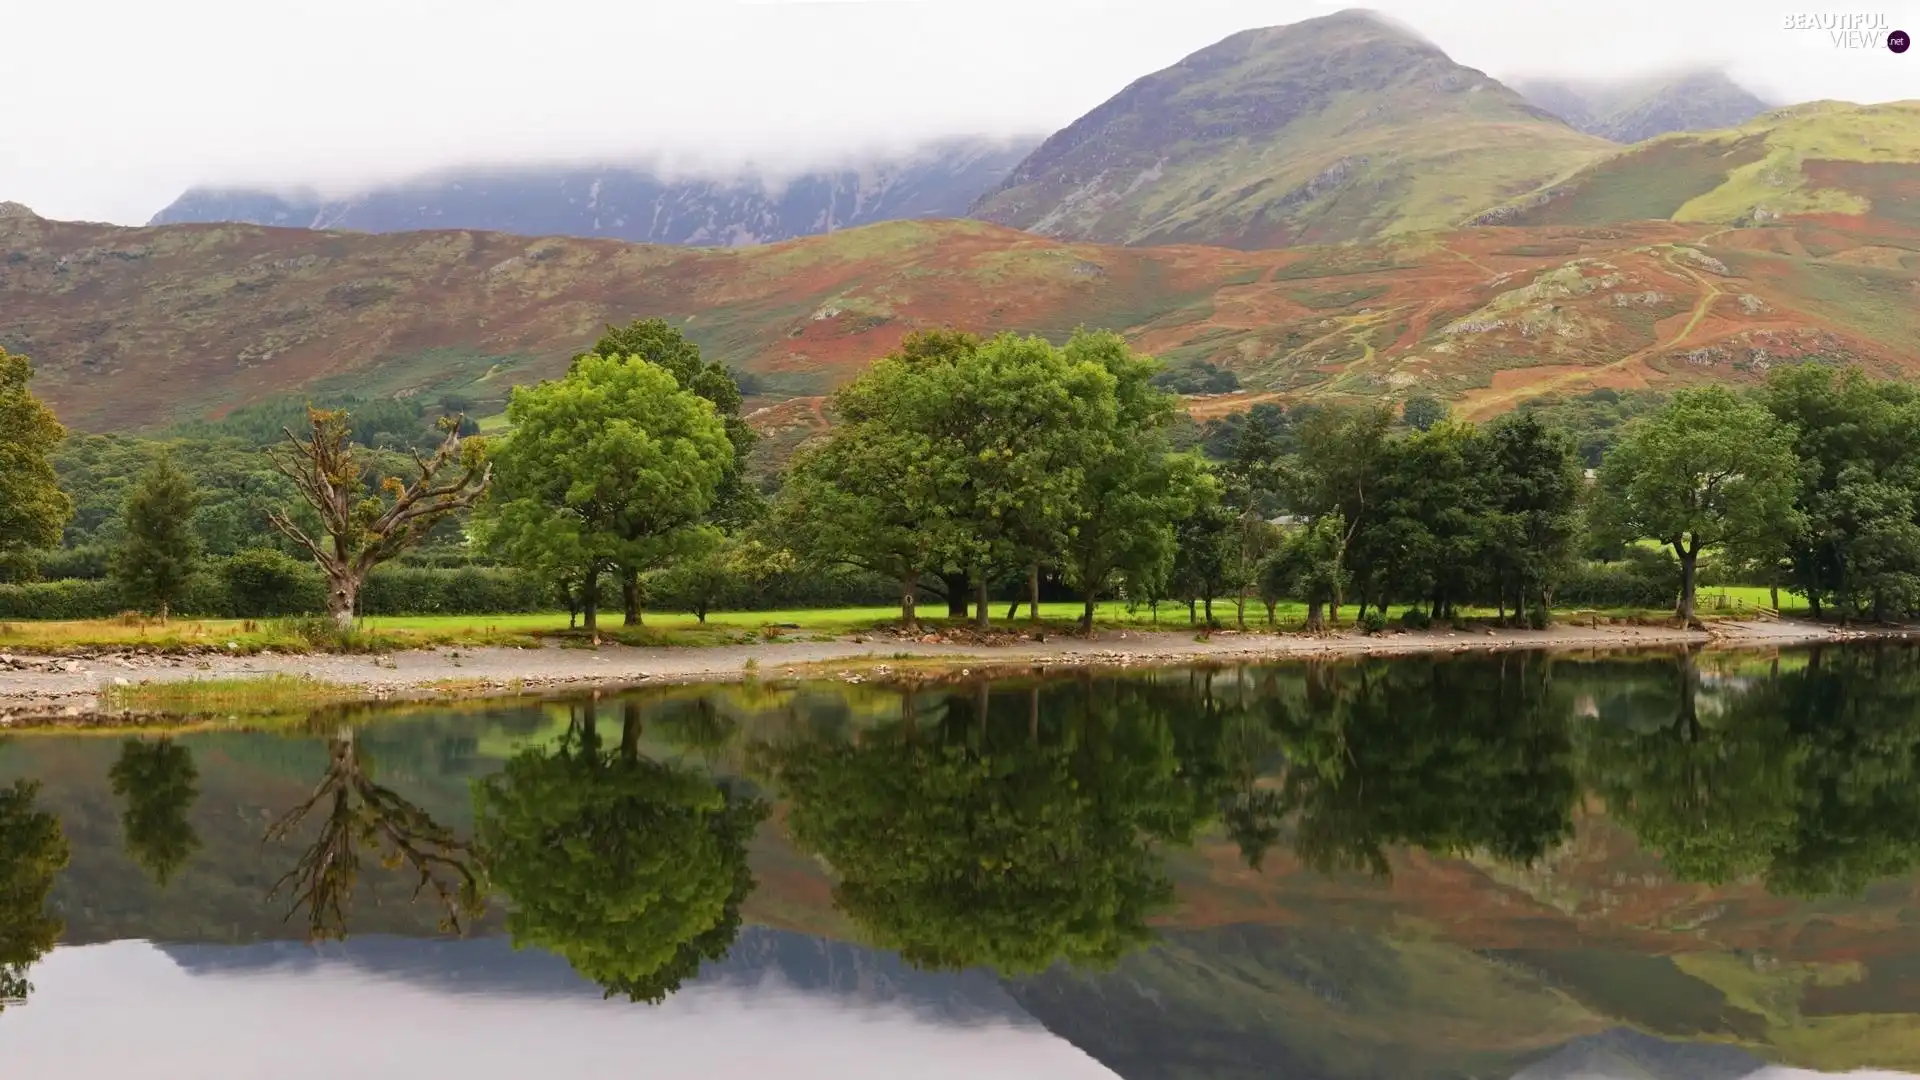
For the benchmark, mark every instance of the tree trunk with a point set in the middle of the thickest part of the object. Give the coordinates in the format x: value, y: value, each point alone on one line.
x: 1773, y: 594
x: 1013, y: 609
x: 700, y: 611
x: 1209, y: 609
x: 1033, y: 593
x: 1086, y: 616
x: 590, y: 603
x: 1314, y: 621
x: 909, y: 599
x: 1192, y: 615
x: 982, y: 617
x: 956, y: 585
x: 343, y: 591
x: 1272, y: 617
x: 630, y: 595
x: 1689, y: 558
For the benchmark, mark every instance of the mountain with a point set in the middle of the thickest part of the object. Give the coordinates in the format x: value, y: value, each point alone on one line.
x: 636, y: 204
x: 1855, y: 166
x: 138, y: 328
x: 1632, y: 111
x: 1338, y: 128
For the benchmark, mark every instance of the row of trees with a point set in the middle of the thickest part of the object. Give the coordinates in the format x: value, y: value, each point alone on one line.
x: 1017, y: 825
x: 958, y: 466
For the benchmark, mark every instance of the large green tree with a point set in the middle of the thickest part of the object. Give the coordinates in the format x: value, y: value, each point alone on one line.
x: 32, y: 507
x: 1537, y: 486
x: 33, y: 851
x: 633, y: 870
x: 1134, y: 489
x: 1708, y: 470
x: 612, y: 467
x: 159, y: 783
x: 736, y: 503
x: 156, y: 559
x: 1859, y: 493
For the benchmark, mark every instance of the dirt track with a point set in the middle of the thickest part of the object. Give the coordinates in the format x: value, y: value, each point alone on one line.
x: 43, y: 686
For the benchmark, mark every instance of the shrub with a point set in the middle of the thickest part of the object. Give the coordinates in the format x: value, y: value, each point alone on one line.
x: 1537, y: 618
x: 264, y: 583
x: 1373, y: 622
x: 1416, y: 619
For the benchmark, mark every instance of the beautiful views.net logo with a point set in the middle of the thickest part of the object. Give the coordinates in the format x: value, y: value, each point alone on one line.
x: 1852, y: 29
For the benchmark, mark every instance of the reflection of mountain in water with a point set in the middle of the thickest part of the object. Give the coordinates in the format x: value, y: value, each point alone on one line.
x: 1624, y: 1054
x: 492, y: 966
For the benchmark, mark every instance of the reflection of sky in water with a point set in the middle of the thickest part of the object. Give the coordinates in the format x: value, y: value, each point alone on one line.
x: 127, y: 1009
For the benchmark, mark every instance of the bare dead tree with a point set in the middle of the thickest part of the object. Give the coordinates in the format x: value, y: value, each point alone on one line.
x: 365, y: 526
x: 361, y: 817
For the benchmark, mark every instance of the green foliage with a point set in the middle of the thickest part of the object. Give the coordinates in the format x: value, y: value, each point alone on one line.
x: 1197, y: 377
x: 32, y: 506
x: 1595, y: 419
x: 238, y: 486
x: 1373, y: 622
x: 658, y: 342
x: 1415, y: 619
x: 1859, y: 489
x: 612, y: 466
x: 383, y: 423
x: 33, y: 851
x: 1708, y: 470
x: 631, y: 869
x: 156, y: 559
x: 265, y: 583
x: 1422, y: 411
x: 159, y: 782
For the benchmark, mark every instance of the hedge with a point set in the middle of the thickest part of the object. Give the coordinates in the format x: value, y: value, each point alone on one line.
x: 247, y: 587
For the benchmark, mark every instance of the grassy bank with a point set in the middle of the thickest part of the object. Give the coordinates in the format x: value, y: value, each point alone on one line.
x: 671, y: 629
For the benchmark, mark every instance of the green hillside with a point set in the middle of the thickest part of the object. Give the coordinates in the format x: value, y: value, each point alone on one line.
x: 1857, y: 162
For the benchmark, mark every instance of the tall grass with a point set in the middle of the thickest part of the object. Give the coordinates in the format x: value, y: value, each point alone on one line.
x: 197, y: 697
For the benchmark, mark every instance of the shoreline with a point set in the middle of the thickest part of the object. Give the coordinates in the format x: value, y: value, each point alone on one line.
x: 65, y: 691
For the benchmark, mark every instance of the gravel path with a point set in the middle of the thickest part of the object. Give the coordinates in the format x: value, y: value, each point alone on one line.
x: 33, y: 684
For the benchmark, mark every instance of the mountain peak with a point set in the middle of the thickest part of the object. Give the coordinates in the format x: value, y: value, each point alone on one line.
x: 16, y: 210
x: 1341, y: 127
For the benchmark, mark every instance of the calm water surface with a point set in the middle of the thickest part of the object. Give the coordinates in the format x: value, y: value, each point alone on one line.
x: 1500, y: 867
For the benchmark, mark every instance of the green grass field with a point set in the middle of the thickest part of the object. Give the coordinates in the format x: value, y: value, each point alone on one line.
x: 677, y: 629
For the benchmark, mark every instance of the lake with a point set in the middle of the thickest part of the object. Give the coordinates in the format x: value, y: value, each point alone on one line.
x: 1501, y: 866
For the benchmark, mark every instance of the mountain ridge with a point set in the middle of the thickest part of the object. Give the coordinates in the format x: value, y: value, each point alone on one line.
x: 636, y: 203
x: 1634, y: 110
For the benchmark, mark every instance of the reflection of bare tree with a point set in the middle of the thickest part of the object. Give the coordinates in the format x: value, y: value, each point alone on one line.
x: 359, y: 816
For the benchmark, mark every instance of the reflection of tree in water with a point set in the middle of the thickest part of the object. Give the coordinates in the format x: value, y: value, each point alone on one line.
x: 33, y: 851
x: 159, y: 783
x: 1007, y: 829
x: 1808, y: 778
x: 632, y: 869
x: 1449, y: 756
x: 359, y: 817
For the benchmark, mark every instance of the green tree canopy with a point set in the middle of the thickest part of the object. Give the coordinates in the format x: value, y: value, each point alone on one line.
x: 33, y: 851
x: 32, y: 507
x: 658, y: 342
x: 634, y: 870
x: 1709, y: 469
x: 613, y: 465
x: 155, y: 561
x: 159, y: 783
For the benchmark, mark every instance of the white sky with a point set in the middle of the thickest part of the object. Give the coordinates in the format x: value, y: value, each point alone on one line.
x: 109, y: 108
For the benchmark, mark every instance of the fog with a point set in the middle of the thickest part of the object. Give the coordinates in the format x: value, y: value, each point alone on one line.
x: 112, y: 107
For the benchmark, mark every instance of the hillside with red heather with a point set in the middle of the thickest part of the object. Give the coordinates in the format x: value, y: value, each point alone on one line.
x: 139, y: 328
